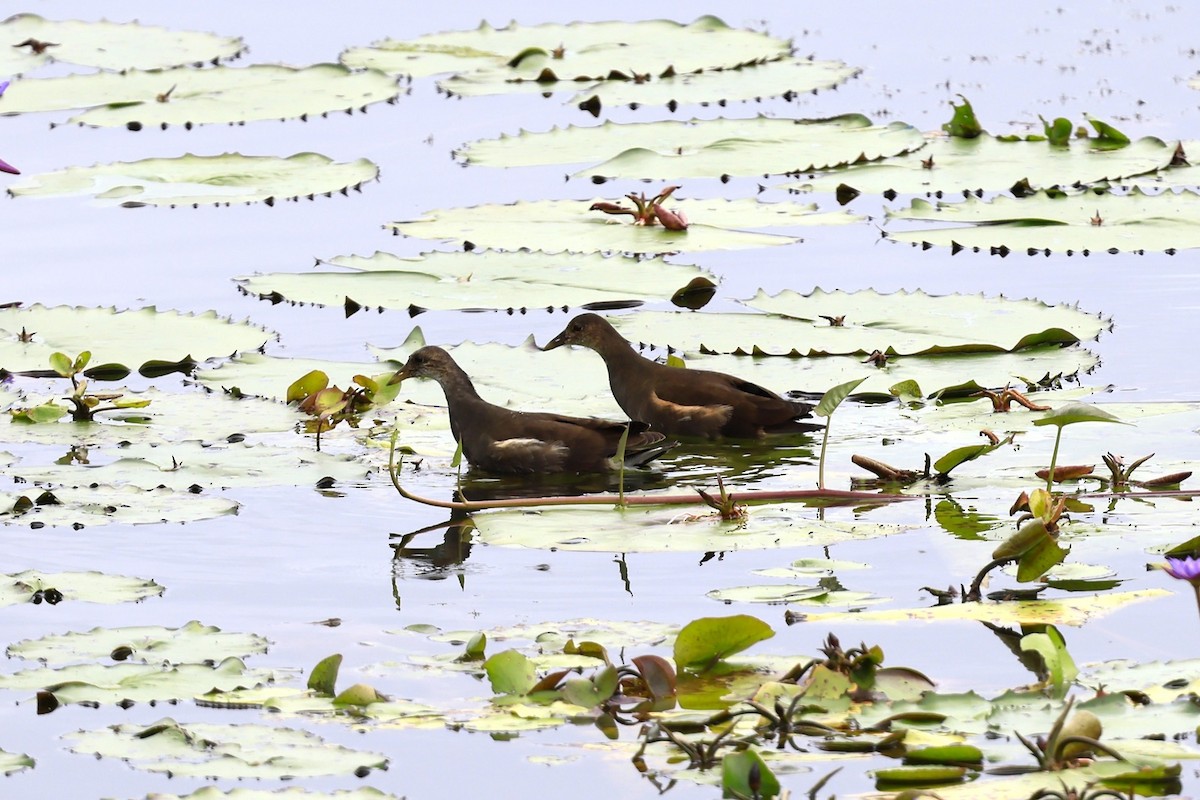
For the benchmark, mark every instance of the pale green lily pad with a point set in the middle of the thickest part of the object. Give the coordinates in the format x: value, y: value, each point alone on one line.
x: 475, y: 280
x: 201, y: 96
x: 1176, y: 177
x: 140, y: 683
x: 1162, y: 682
x: 392, y: 713
x: 568, y: 225
x: 192, y: 642
x: 108, y: 45
x: 1077, y: 780
x: 701, y: 148
x: 1133, y: 222
x: 103, y: 505
x: 292, y: 793
x: 131, y: 338
x: 787, y: 77
x: 86, y: 587
x: 184, y: 465
x: 990, y: 164
x: 903, y: 323
x: 591, y: 49
x: 1073, y: 611
x: 14, y: 762
x: 202, y: 750
x: 202, y: 180
x: 677, y: 529
x: 261, y: 375
x: 793, y: 594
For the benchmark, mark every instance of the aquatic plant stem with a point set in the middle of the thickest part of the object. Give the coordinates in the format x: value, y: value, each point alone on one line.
x: 821, y: 460
x: 1054, y: 460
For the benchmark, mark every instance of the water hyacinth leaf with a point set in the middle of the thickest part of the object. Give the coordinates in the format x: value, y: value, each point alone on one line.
x: 704, y: 642
x: 14, y: 762
x: 745, y: 774
x: 593, y: 50
x: 192, y: 642
x: 200, y: 750
x: 128, y: 337
x: 195, y: 97
x: 478, y: 280
x: 673, y: 149
x: 510, y: 672
x: 593, y: 691
x: 1079, y: 222
x: 89, y: 587
x: 109, y: 45
x: 992, y: 164
x: 568, y: 226
x: 191, y: 180
x: 359, y: 695
x: 140, y: 683
x: 103, y: 505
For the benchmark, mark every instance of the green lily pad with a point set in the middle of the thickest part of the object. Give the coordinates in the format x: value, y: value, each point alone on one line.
x: 705, y: 641
x: 132, y: 338
x: 568, y: 225
x: 701, y: 148
x: 109, y: 45
x: 292, y: 793
x: 201, y: 96
x: 202, y: 180
x: 14, y: 762
x: 258, y: 375
x: 103, y: 505
x: 87, y: 587
x: 1088, y: 222
x: 192, y: 642
x: 991, y: 164
x: 139, y: 683
x: 461, y: 280
x: 590, y: 50
x: 201, y: 750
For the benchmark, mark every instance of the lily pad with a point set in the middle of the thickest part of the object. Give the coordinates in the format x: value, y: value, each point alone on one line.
x: 131, y: 99
x: 793, y: 594
x: 487, y: 280
x: 108, y: 45
x: 259, y: 375
x: 131, y: 338
x: 103, y: 505
x: 988, y: 163
x: 192, y: 642
x: 1087, y: 222
x: 291, y: 793
x: 202, y: 180
x: 199, y: 750
x: 589, y: 50
x: 14, y: 762
x: 701, y: 148
x: 87, y: 587
x: 567, y: 225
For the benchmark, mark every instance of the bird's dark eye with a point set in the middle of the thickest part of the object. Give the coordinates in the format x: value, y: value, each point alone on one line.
x: 576, y: 328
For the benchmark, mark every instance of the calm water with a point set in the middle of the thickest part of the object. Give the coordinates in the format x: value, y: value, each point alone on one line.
x: 295, y: 556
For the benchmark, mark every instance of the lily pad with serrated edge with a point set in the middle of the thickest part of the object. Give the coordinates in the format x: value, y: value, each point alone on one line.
x: 131, y: 338
x: 201, y: 96
x: 755, y: 81
x: 1086, y: 222
x: 87, y: 587
x: 259, y: 375
x: 567, y: 225
x: 139, y: 683
x: 103, y: 505
x: 108, y: 45
x: 192, y: 642
x: 14, y: 762
x: 223, y: 751
x: 990, y: 164
x: 1179, y: 176
x: 291, y: 793
x: 589, y: 49
x: 793, y: 594
x: 701, y: 148
x: 191, y: 180
x: 479, y: 280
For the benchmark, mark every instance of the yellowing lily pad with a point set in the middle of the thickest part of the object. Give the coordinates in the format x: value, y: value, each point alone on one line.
x: 202, y: 180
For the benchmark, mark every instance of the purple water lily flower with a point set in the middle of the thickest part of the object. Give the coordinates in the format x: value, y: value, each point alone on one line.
x: 9, y: 168
x: 3, y: 86
x: 1185, y: 569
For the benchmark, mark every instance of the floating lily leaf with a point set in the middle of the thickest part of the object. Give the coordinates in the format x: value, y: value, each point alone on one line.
x: 155, y: 644
x: 779, y: 594
x: 133, y: 338
x: 567, y: 225
x: 701, y: 148
x: 102, y: 505
x: 223, y: 751
x: 202, y: 180
x: 88, y: 587
x: 292, y: 793
x: 201, y: 96
x: 1088, y: 222
x: 704, y: 642
x: 392, y: 714
x: 462, y: 280
x: 1179, y: 176
x: 502, y: 56
x: 1160, y: 681
x: 987, y: 163
x: 1067, y: 611
x: 108, y: 45
x: 14, y: 762
x: 140, y: 683
x: 638, y: 530
x: 269, y: 376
